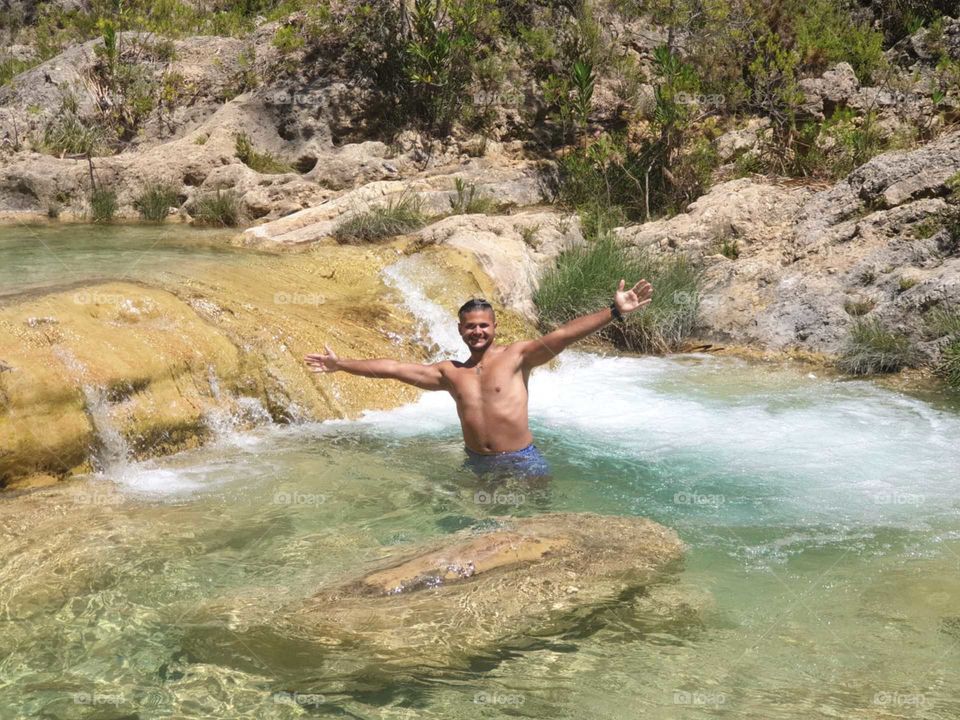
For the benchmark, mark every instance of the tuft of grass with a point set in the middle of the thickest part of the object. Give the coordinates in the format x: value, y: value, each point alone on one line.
x: 949, y: 365
x: 103, y: 204
x: 529, y: 233
x: 398, y: 216
x: 928, y: 228
x: 584, y: 280
x: 905, y: 283
x: 867, y: 276
x: 262, y: 162
x: 874, y: 348
x: 942, y: 322
x: 219, y: 208
x: 155, y: 201
x: 468, y: 201
x: 10, y: 68
x: 730, y: 249
x: 860, y: 307
x: 69, y: 134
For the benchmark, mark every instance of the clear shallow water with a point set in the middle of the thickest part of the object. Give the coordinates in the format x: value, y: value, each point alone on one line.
x: 40, y: 256
x: 821, y: 516
x: 822, y: 519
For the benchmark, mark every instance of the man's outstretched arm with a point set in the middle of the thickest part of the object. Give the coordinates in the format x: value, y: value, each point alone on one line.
x: 425, y: 377
x: 544, y: 349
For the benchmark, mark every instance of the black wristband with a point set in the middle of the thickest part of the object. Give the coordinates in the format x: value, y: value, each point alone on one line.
x: 617, y: 315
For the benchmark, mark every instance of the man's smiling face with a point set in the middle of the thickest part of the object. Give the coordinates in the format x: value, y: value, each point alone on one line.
x: 477, y: 328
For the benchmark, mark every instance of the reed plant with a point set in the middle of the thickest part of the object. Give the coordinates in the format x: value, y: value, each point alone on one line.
x: 872, y: 347
x: 584, y: 280
x: 219, y: 208
x: 155, y: 200
x: 400, y: 215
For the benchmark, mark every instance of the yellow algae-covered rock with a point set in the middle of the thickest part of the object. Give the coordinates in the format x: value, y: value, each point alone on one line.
x: 111, y: 342
x: 150, y: 364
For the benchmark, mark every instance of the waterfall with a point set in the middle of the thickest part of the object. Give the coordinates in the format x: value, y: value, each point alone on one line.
x: 435, y: 322
x: 112, y: 454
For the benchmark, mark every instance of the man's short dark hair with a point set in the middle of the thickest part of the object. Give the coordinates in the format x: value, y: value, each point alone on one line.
x: 475, y: 304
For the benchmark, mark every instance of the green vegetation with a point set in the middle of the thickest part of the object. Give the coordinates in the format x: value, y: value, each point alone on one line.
x: 905, y: 283
x: 262, y: 162
x: 440, y: 57
x: 949, y: 365
x: 11, y: 68
x: 103, y: 204
x: 528, y: 233
x: 873, y: 348
x: 68, y: 134
x: 155, y: 201
x: 942, y: 322
x: 729, y: 248
x: 859, y: 307
x: 219, y: 208
x: 467, y: 201
x: 584, y: 279
x: 401, y: 215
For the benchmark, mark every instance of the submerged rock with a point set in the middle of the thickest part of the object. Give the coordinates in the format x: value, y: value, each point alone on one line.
x: 467, y: 596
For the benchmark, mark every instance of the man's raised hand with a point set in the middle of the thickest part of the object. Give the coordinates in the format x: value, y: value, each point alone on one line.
x: 633, y: 299
x: 323, y: 362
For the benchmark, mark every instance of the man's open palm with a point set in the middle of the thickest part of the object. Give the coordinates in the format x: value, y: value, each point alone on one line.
x: 323, y: 362
x: 633, y: 299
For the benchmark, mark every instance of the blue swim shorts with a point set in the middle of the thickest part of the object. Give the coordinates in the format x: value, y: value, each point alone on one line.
x: 524, y: 463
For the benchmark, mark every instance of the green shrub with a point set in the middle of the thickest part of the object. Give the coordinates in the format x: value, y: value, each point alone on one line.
x: 440, y: 55
x: 155, y: 201
x: 103, y: 204
x: 859, y: 307
x: 905, y: 283
x: 949, y: 365
x: 928, y: 227
x: 873, y: 348
x: 467, y: 201
x: 729, y: 248
x: 528, y: 233
x: 398, y: 216
x: 584, y: 280
x: 68, y: 134
x: 287, y: 40
x: 10, y: 68
x: 219, y: 208
x: 942, y: 322
x: 261, y: 162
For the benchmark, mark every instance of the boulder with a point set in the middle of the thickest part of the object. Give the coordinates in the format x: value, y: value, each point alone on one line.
x: 513, y: 250
x: 835, y: 88
x: 472, y: 594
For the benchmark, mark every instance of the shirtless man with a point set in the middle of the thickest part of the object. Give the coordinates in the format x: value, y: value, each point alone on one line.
x: 490, y: 388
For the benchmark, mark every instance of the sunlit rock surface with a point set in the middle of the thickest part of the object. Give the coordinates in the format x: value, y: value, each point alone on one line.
x: 101, y: 371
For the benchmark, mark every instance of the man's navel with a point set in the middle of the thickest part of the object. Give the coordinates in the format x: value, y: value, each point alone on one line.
x: 497, y: 389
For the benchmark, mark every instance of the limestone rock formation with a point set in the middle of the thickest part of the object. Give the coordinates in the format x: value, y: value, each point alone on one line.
x: 513, y: 250
x: 806, y: 263
x: 504, y: 187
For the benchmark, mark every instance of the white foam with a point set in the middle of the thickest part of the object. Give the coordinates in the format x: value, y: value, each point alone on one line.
x: 437, y: 323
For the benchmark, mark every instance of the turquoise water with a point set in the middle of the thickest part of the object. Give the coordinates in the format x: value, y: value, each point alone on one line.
x: 822, y: 519
x: 822, y: 576
x: 42, y: 256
